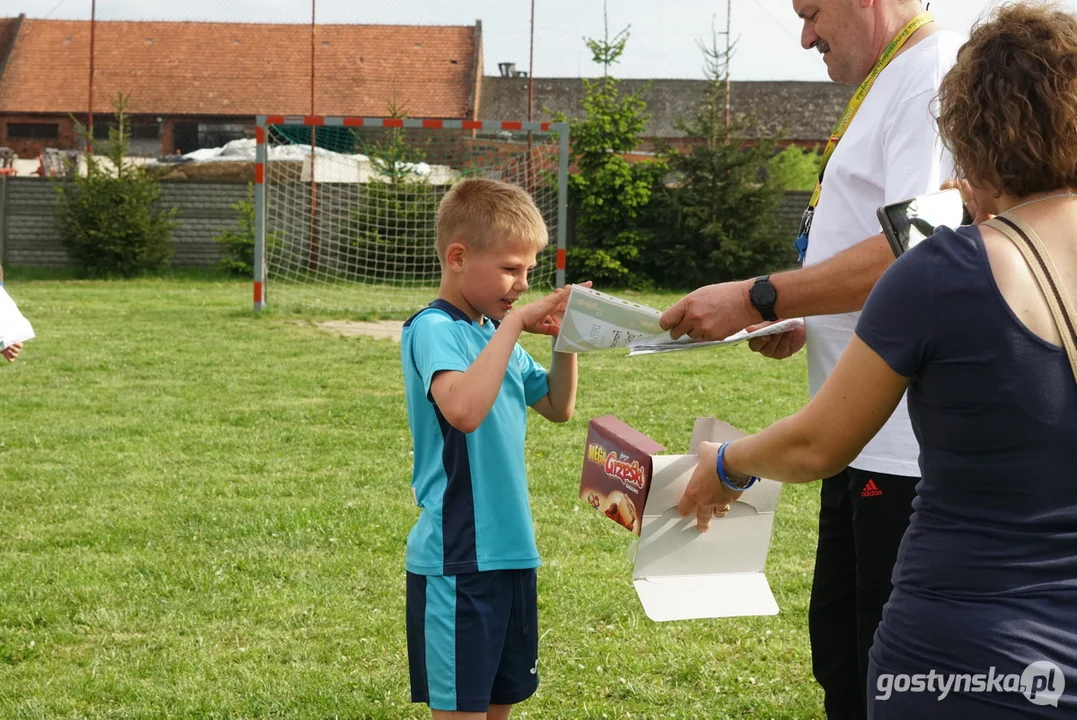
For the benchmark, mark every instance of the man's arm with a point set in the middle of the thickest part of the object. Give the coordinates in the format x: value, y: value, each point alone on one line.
x: 913, y: 165
x: 839, y: 284
x: 560, y: 402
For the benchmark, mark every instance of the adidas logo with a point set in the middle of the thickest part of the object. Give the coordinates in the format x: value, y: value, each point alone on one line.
x: 870, y: 490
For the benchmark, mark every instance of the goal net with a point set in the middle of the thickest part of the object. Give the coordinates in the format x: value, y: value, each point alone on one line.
x: 345, y: 207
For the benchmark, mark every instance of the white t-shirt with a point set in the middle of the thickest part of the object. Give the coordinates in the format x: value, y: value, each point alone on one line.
x: 890, y: 152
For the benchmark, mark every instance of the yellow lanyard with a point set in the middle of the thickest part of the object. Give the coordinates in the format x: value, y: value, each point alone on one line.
x: 847, y: 118
x: 862, y: 92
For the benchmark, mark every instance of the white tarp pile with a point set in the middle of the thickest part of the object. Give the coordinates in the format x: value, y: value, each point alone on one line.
x: 328, y: 166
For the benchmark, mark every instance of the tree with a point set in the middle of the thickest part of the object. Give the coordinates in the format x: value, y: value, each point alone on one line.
x: 717, y: 220
x: 394, y: 220
x: 795, y: 168
x: 608, y: 193
x: 110, y: 220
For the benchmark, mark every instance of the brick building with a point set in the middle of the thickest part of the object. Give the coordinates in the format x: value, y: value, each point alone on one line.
x: 195, y: 85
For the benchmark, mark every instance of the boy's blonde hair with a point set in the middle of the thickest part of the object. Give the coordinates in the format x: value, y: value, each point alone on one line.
x: 479, y: 213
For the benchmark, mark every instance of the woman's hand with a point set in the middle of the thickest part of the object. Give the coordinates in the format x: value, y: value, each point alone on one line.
x: 705, y: 495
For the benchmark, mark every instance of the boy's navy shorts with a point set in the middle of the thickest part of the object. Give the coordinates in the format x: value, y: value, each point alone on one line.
x: 473, y: 639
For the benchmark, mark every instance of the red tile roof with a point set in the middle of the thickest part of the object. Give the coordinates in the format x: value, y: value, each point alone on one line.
x: 191, y: 68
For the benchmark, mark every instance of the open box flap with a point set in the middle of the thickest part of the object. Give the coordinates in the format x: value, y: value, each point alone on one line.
x: 705, y: 596
x: 671, y: 545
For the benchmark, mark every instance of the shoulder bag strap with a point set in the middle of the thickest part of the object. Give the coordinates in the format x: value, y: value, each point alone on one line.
x: 1039, y: 261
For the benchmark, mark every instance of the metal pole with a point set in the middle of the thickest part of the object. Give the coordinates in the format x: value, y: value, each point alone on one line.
x: 89, y: 106
x: 313, y: 4
x: 562, y: 205
x: 314, y: 234
x: 529, y: 165
x: 728, y: 46
x: 531, y: 71
x: 260, y: 157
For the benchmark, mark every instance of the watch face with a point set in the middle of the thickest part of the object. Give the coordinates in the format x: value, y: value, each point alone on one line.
x: 763, y: 294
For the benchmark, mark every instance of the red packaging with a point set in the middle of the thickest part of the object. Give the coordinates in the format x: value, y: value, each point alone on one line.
x: 617, y: 470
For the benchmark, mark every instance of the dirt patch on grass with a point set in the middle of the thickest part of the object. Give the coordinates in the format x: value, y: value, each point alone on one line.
x: 376, y: 329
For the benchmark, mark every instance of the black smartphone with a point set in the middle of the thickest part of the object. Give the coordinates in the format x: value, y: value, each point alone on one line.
x: 908, y: 222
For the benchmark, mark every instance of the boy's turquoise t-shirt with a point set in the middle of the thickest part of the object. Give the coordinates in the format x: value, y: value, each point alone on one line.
x: 472, y: 488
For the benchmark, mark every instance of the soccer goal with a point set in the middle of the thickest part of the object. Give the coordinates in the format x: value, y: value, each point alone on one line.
x: 345, y: 207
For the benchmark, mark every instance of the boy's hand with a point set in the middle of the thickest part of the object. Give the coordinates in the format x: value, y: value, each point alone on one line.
x: 11, y: 352
x: 543, y: 316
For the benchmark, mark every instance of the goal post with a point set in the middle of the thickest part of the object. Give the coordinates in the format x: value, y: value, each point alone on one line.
x: 345, y: 207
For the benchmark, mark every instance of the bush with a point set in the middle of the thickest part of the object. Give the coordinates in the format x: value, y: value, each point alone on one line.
x: 795, y: 169
x: 237, y: 244
x: 110, y: 220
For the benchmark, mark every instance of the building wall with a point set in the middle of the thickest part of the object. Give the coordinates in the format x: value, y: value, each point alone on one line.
x: 29, y: 149
x: 28, y: 235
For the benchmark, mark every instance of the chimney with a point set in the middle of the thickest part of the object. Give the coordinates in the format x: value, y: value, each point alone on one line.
x: 508, y: 69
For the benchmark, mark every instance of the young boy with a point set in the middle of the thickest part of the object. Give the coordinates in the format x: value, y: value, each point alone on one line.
x: 471, y: 557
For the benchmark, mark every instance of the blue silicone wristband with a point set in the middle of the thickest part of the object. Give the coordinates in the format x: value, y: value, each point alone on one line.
x: 720, y: 466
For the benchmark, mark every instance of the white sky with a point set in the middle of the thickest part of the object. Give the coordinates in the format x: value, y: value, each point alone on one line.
x: 662, y: 44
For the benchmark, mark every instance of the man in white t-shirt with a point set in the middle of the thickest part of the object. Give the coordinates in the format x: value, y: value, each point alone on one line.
x: 889, y: 152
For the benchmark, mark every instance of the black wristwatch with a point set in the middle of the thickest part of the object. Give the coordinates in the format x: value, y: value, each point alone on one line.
x: 763, y: 296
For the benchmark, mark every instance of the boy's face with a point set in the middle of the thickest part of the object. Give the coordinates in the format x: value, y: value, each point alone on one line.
x: 493, y: 279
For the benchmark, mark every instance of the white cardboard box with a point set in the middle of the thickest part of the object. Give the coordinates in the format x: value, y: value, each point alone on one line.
x: 681, y: 573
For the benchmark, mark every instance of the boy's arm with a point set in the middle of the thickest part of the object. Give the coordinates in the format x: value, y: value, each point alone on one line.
x: 558, y: 404
x: 465, y: 398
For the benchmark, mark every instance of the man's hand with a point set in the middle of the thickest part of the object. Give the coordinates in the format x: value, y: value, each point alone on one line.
x: 713, y: 312
x: 780, y: 346
x: 11, y: 352
x: 969, y: 198
x: 705, y: 495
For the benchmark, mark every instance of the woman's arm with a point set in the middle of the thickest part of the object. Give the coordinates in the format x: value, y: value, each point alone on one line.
x: 817, y: 442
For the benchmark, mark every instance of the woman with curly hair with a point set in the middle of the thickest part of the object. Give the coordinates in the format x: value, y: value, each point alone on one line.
x: 982, y: 620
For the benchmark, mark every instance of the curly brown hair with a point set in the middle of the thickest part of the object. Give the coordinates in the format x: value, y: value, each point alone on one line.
x: 1008, y: 108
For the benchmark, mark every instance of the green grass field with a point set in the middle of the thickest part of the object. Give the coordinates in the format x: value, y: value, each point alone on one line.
x: 203, y: 515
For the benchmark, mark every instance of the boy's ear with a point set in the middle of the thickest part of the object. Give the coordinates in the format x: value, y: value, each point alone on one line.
x: 454, y: 256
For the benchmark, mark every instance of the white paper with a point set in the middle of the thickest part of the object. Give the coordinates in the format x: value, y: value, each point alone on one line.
x: 677, y: 345
x: 596, y: 321
x: 14, y: 328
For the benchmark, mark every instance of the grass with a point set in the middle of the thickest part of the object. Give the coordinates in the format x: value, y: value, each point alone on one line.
x: 203, y: 515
